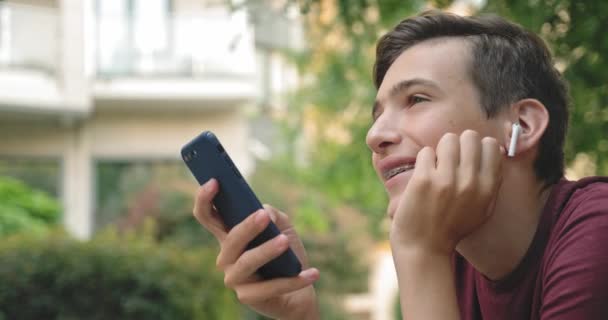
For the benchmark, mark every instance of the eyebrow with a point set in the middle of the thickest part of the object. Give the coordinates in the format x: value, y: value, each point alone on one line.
x: 402, y: 86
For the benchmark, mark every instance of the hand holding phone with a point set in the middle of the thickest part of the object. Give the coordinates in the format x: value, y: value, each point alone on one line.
x: 279, y: 298
x: 235, y: 201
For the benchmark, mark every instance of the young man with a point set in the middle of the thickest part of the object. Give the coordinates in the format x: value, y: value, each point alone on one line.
x: 475, y: 234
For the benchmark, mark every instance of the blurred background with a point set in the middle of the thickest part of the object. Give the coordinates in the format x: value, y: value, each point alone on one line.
x: 98, y: 96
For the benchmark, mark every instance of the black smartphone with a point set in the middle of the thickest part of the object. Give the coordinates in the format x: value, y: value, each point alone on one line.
x: 206, y: 158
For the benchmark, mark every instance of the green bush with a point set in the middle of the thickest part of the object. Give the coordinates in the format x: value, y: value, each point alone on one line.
x: 109, y: 277
x: 25, y: 209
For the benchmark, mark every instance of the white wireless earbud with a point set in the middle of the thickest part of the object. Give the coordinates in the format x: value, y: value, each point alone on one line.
x: 516, y: 129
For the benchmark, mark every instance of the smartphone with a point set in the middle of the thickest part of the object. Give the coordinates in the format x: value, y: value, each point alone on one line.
x: 206, y: 158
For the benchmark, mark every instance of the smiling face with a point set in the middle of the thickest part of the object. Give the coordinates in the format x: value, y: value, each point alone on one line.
x: 426, y: 92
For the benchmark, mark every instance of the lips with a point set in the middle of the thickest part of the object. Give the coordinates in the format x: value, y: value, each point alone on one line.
x: 393, y: 165
x: 390, y: 169
x: 393, y: 172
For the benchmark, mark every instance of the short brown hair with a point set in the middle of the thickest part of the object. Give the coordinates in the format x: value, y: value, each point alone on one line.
x: 508, y: 64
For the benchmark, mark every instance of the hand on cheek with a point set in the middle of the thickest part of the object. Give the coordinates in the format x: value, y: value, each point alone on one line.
x: 451, y: 193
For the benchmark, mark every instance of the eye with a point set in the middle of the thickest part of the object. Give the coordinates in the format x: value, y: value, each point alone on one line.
x: 417, y: 99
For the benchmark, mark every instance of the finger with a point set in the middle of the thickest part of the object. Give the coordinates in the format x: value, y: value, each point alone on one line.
x: 470, y: 153
x: 262, y: 291
x: 448, y: 155
x: 423, y: 171
x: 491, y: 163
x: 280, y: 219
x: 250, y: 261
x: 239, y: 237
x: 282, y: 222
x: 425, y: 161
x: 272, y: 212
x: 205, y: 213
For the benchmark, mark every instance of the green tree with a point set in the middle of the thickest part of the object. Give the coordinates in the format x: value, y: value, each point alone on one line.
x: 23, y: 209
x: 575, y: 31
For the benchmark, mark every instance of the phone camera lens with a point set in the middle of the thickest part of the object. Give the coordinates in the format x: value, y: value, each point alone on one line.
x: 220, y: 148
x: 193, y: 154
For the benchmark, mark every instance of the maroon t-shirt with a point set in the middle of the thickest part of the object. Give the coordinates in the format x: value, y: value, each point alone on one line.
x: 564, y: 274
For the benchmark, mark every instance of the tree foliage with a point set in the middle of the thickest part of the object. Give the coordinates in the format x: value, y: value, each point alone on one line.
x: 109, y: 277
x: 575, y: 31
x: 23, y: 209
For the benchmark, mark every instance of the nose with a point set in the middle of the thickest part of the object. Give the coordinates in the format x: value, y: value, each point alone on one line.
x: 382, y: 135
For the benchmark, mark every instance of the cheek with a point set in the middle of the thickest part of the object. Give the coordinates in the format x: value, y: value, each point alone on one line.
x: 427, y: 131
x: 430, y: 127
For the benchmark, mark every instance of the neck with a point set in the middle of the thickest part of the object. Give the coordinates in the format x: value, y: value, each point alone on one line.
x: 497, y: 247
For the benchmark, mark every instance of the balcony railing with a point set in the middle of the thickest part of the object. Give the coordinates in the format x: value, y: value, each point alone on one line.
x: 213, y: 43
x: 29, y: 37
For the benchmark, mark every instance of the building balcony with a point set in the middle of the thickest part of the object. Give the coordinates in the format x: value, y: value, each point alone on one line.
x: 37, y: 73
x: 191, y: 58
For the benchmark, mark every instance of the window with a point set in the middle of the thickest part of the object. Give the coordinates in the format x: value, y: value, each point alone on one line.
x: 129, y: 192
x: 134, y: 36
x: 41, y: 174
x: 5, y: 35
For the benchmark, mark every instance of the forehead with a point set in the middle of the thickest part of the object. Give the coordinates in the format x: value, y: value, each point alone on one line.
x: 445, y: 61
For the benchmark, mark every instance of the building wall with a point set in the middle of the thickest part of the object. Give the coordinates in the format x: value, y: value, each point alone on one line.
x: 160, y: 135
x: 42, y: 57
x: 117, y: 136
x: 123, y: 135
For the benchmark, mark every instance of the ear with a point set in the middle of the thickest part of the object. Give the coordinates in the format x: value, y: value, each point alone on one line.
x: 533, y: 118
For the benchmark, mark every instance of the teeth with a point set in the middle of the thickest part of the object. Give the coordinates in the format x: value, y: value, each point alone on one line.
x: 393, y: 172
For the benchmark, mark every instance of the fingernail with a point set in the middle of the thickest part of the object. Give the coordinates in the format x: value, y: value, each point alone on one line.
x: 311, y: 274
x: 273, y: 217
x: 207, y: 186
x: 281, y: 239
x: 260, y: 217
x: 282, y: 243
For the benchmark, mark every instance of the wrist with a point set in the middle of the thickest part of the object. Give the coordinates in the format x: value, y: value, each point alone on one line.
x: 426, y: 282
x: 309, y: 311
x: 419, y: 257
x: 308, y: 314
x: 419, y: 248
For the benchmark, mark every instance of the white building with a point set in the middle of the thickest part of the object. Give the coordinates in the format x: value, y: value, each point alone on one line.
x: 84, y: 81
